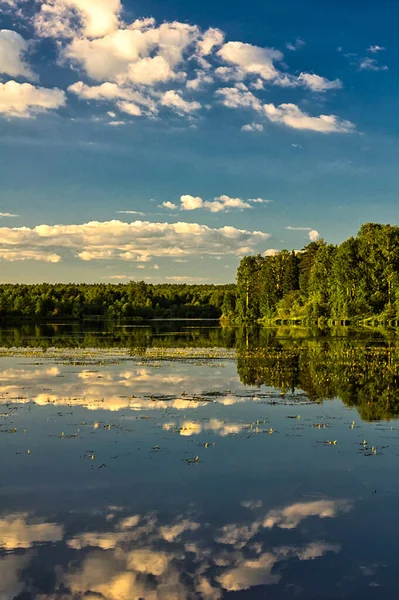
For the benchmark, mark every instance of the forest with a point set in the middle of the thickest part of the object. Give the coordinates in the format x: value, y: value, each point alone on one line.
x: 134, y: 300
x: 356, y: 280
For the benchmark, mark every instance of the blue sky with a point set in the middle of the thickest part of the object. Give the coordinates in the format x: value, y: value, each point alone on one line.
x: 223, y: 129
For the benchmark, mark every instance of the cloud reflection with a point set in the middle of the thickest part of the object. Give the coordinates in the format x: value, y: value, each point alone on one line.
x: 142, y: 556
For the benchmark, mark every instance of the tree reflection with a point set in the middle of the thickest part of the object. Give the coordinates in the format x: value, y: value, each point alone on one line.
x: 359, y: 372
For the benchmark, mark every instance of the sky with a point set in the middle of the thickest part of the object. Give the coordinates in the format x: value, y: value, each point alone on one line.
x: 163, y: 140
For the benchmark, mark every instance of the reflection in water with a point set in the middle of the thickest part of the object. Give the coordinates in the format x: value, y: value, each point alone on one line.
x: 143, y: 556
x: 150, y: 472
x: 365, y: 377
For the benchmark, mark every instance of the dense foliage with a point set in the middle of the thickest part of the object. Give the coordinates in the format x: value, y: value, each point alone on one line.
x: 357, y: 279
x: 132, y: 300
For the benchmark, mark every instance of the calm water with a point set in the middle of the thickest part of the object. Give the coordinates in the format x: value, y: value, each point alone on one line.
x: 186, y: 461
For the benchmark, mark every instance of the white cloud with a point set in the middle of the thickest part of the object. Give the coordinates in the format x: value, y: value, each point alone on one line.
x: 150, y: 70
x: 138, y: 241
x: 238, y: 97
x: 252, y: 127
x: 189, y: 202
x: 130, y: 108
x: 224, y: 202
x: 317, y: 83
x: 6, y: 214
x: 169, y: 205
x: 290, y: 228
x: 252, y: 59
x: 271, y: 252
x: 131, y: 212
x: 201, y: 79
x: 13, y: 48
x: 141, y: 56
x: 38, y: 255
x: 230, y: 74
x: 219, y: 204
x: 211, y: 38
x: 375, y: 49
x: 96, y: 18
x: 314, y: 235
x: 26, y: 100
x: 143, y: 66
x: 126, y: 99
x: 175, y: 101
x: 292, y: 116
x: 370, y: 64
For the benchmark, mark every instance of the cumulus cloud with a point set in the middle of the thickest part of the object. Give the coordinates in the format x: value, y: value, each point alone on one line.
x: 252, y: 59
x: 189, y: 202
x: 26, y: 100
x: 292, y: 116
x: 142, y: 67
x: 65, y: 18
x: 126, y: 99
x: 13, y: 49
x: 174, y: 100
x: 169, y: 205
x: 238, y: 97
x: 314, y: 235
x: 251, y: 127
x: 138, y: 241
x: 141, y: 56
x: 202, y: 79
x: 317, y: 83
x: 212, y: 38
x: 219, y: 204
x: 11, y: 255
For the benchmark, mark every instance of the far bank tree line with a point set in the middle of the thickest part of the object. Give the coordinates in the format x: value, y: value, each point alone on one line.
x: 134, y: 300
x: 356, y: 279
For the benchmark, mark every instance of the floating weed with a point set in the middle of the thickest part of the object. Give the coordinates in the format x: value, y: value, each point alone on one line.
x: 191, y: 461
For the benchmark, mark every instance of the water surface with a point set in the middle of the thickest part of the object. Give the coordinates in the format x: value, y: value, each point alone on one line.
x: 191, y: 462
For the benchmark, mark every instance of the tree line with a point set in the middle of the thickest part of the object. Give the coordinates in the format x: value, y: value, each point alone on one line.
x: 356, y: 279
x: 137, y: 300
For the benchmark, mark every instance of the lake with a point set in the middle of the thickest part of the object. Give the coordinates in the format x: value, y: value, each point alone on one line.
x: 183, y: 460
